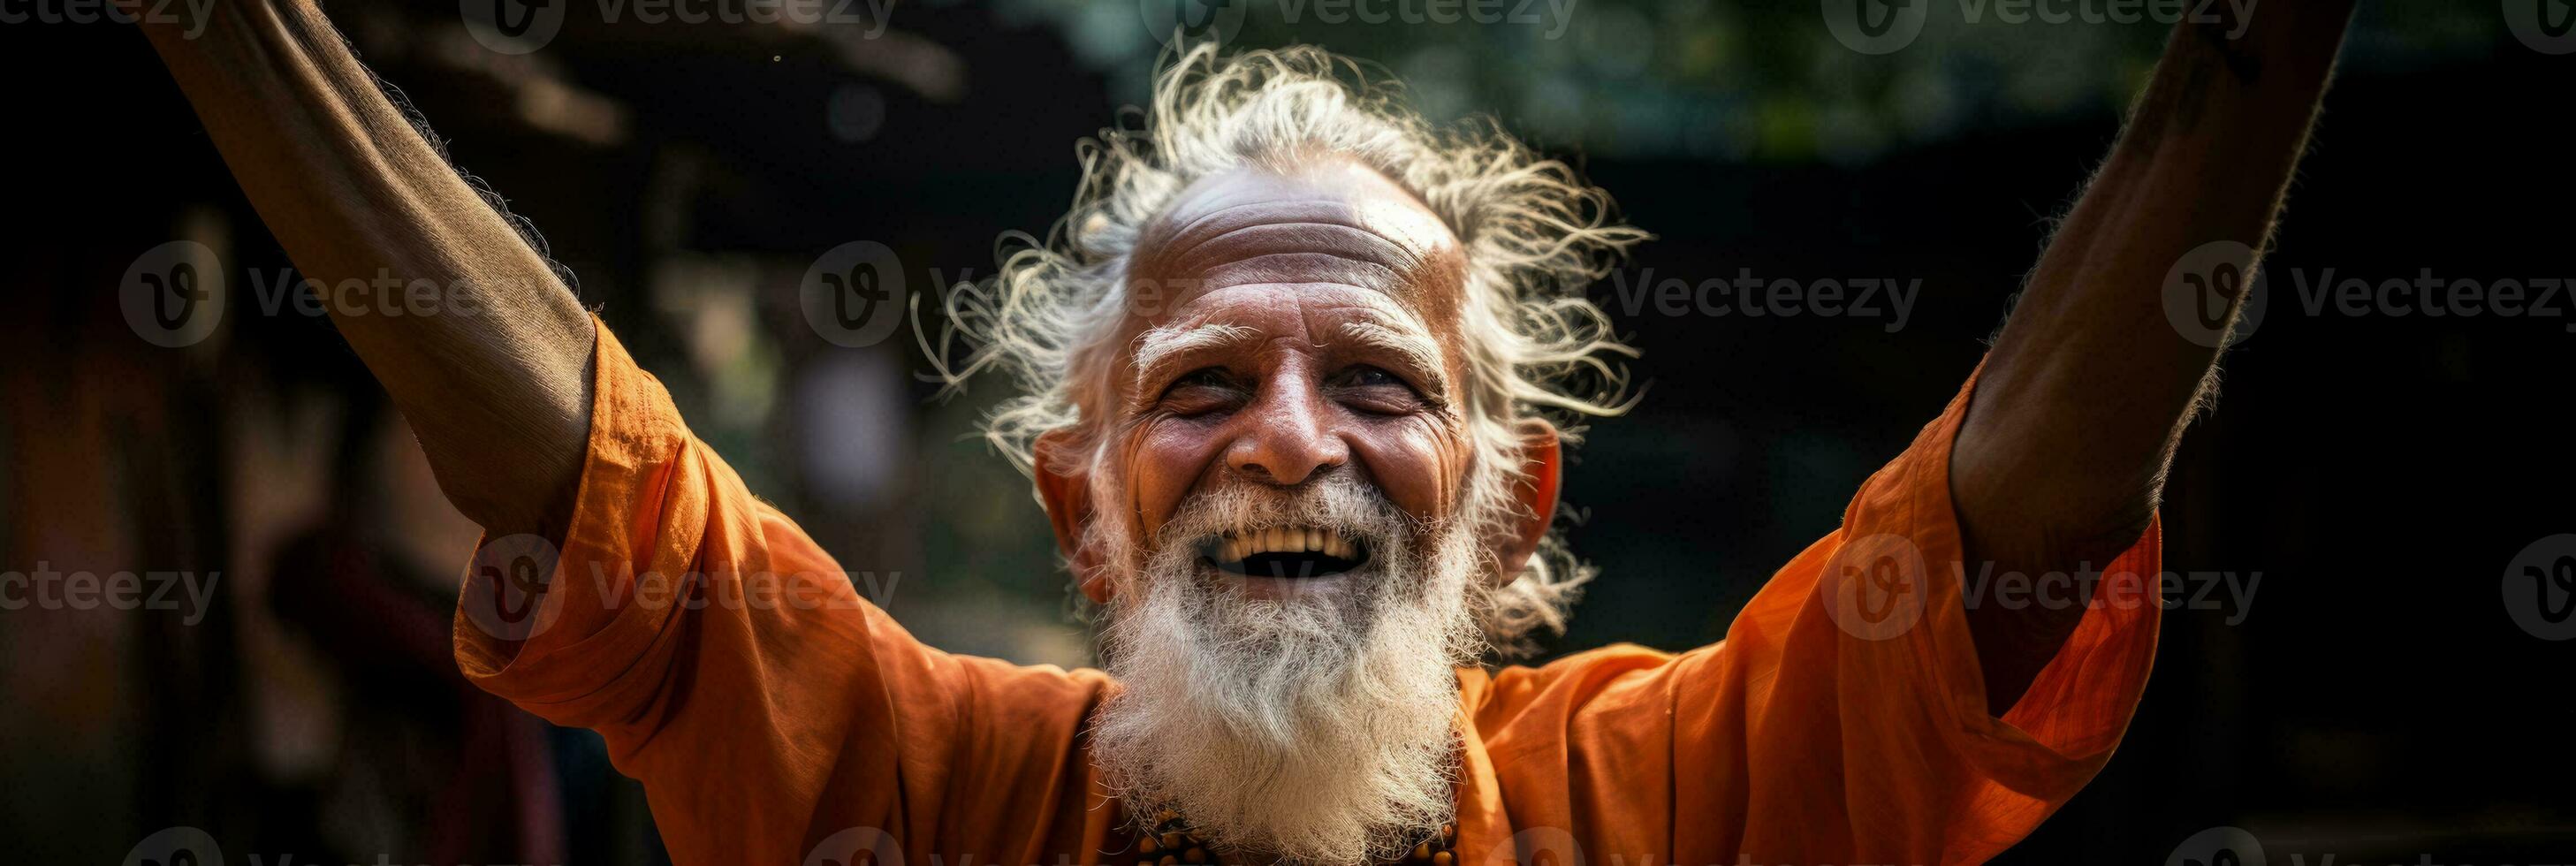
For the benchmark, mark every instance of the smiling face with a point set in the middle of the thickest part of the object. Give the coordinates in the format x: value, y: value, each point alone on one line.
x: 1285, y: 327
x: 1281, y: 371
x: 1278, y: 509
x: 1306, y: 330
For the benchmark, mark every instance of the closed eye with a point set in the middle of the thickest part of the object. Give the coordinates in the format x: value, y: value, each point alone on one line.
x: 1366, y: 376
x: 1377, y: 389
x: 1203, y: 390
x: 1203, y: 377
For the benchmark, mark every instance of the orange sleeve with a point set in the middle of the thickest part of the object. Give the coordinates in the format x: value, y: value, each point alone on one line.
x: 734, y: 668
x: 1842, y: 720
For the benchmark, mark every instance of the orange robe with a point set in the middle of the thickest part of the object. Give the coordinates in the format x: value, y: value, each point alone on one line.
x: 761, y: 731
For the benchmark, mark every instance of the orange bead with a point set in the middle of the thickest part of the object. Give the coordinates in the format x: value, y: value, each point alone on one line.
x: 1442, y: 859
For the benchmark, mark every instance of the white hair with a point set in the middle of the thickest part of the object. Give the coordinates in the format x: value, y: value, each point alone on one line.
x: 1320, y: 730
x: 1534, y: 233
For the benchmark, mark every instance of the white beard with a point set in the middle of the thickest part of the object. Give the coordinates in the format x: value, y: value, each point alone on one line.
x: 1317, y: 728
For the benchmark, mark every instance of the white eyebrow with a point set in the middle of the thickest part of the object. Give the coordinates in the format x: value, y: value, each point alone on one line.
x: 1418, y: 351
x: 1157, y: 347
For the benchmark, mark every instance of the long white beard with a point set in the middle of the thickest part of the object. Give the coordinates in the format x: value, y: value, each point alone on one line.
x: 1318, y: 728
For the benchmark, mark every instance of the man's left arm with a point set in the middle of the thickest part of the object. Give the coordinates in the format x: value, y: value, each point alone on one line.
x: 2079, y: 406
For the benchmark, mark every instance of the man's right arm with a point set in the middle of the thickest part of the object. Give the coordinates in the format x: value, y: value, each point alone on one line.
x: 496, y: 380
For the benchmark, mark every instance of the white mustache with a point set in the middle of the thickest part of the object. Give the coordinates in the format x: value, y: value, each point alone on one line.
x: 1335, y: 512
x: 1318, y: 732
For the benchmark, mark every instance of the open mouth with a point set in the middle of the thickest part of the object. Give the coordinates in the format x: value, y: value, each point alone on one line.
x: 1286, y: 552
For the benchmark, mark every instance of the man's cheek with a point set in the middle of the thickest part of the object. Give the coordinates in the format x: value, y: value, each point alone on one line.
x: 1163, y: 458
x: 1418, y: 464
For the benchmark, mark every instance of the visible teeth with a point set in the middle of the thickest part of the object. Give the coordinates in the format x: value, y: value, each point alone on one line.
x: 1234, y: 546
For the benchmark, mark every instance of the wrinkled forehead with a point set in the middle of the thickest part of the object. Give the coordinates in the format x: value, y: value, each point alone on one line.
x: 1330, y: 226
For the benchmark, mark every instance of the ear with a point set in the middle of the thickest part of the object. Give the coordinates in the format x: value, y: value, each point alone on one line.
x: 1067, y: 494
x: 1535, y: 491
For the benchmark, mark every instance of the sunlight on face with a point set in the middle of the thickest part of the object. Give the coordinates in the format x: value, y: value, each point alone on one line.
x: 1282, y: 515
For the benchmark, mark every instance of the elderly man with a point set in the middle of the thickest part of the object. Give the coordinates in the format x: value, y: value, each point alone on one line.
x: 1286, y: 368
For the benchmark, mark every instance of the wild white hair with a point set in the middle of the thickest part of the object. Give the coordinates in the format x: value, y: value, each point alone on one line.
x: 1534, y: 233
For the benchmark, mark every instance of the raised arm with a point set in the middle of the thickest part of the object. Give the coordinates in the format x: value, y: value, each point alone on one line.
x: 2062, y: 456
x: 495, y: 379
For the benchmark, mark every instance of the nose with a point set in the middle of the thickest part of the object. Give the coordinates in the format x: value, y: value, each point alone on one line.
x: 1287, y: 437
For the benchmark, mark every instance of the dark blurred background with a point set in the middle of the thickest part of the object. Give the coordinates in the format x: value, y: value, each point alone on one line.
x: 2374, y: 702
